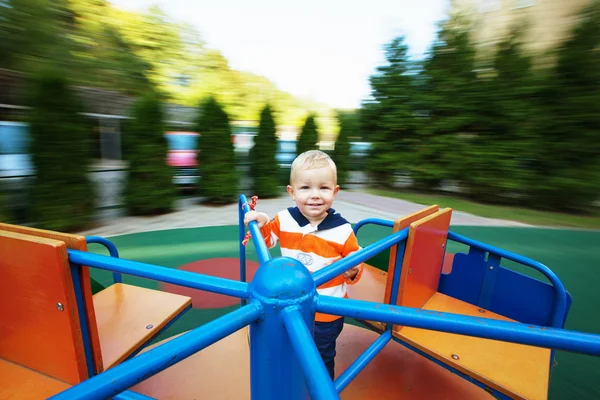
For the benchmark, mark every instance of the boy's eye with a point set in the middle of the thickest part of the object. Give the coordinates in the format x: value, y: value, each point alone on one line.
x: 304, y: 187
x: 324, y: 187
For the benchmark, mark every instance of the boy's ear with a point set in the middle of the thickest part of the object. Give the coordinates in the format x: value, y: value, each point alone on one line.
x: 290, y: 191
x: 336, y: 189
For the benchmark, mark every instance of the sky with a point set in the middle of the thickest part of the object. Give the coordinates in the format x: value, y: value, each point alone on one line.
x: 321, y: 50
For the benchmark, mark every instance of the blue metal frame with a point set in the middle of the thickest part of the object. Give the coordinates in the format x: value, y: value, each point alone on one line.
x: 160, y: 331
x: 112, y: 250
x: 560, y: 307
x: 83, y: 320
x: 282, y: 299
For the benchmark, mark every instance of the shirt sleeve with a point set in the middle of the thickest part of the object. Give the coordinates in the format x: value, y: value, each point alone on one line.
x: 270, y: 232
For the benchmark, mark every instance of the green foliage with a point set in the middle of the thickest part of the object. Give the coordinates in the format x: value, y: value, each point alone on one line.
x: 62, y: 195
x: 219, y: 179
x: 446, y: 93
x: 494, y: 167
x: 566, y: 165
x: 149, y: 188
x: 505, y: 131
x: 389, y: 119
x: 264, y: 167
x: 308, y: 136
x: 341, y: 154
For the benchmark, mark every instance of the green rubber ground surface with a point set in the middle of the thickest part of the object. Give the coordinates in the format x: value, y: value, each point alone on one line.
x: 573, y: 255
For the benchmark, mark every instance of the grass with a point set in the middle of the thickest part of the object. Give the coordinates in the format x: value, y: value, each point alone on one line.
x: 519, y: 214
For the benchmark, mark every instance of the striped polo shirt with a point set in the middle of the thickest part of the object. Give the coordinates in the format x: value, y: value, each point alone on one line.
x: 314, y: 246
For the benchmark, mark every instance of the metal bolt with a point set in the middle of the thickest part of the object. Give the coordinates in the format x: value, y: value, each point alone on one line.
x: 491, y: 268
x: 410, y: 270
x: 382, y: 272
x: 455, y: 356
x: 443, y: 245
x: 481, y: 310
x: 60, y: 307
x: 149, y: 326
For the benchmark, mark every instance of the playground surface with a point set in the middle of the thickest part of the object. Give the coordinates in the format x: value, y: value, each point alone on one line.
x: 353, y: 205
x: 171, y: 242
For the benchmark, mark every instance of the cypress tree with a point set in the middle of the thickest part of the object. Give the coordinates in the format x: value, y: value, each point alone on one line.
x: 62, y: 196
x: 216, y: 159
x: 308, y: 135
x: 149, y: 188
x: 264, y: 167
x: 341, y: 152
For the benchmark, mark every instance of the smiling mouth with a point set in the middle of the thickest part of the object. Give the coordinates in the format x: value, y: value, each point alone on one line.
x: 314, y: 205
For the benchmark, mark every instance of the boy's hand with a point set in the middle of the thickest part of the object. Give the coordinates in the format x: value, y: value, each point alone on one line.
x: 260, y: 218
x: 351, y: 273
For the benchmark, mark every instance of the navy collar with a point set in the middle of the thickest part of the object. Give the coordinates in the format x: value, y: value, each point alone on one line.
x: 332, y: 220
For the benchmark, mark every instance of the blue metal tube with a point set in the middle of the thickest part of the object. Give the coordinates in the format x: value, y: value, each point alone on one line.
x: 362, y: 361
x: 242, y: 233
x: 343, y: 265
x: 515, y: 332
x: 169, y: 275
x: 397, y: 271
x: 129, y: 395
x: 375, y: 221
x: 83, y: 319
x: 131, y: 372
x: 112, y: 250
x: 560, y: 306
x: 259, y: 243
x: 317, y: 378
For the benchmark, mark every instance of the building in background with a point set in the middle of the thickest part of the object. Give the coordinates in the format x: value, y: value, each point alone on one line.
x: 549, y: 21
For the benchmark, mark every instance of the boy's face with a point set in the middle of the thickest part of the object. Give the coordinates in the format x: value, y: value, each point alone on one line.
x: 313, y: 190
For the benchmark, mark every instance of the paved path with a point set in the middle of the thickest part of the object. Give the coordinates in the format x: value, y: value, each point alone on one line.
x: 353, y: 205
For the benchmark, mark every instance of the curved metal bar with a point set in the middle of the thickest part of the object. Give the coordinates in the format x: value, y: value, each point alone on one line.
x: 560, y: 306
x: 375, y: 221
x: 362, y: 361
x: 242, y: 248
x: 343, y: 265
x: 259, y: 243
x: 112, y: 250
x: 119, y: 378
x: 317, y: 378
x: 164, y: 274
x: 514, y: 332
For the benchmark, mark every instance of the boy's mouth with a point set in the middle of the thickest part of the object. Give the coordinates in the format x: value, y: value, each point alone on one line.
x: 314, y: 205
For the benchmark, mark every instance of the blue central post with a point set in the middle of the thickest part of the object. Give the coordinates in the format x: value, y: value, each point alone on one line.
x: 275, y: 372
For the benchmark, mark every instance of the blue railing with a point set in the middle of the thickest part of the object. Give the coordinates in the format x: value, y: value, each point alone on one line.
x: 112, y: 250
x: 281, y: 301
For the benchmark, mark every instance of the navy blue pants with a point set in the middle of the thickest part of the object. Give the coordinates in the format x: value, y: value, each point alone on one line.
x: 326, y: 334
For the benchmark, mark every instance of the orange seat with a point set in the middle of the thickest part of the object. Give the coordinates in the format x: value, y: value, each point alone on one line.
x: 517, y: 371
x: 128, y: 316
x: 23, y: 383
x: 39, y: 319
x: 222, y: 372
x: 120, y: 318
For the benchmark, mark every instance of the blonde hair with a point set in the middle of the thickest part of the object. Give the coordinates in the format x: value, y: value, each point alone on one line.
x: 312, y: 159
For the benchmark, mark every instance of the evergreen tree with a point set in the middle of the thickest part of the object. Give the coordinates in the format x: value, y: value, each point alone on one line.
x: 341, y: 153
x: 264, y: 167
x: 446, y: 86
x: 308, y: 136
x: 391, y: 111
x: 149, y: 188
x: 62, y: 196
x: 216, y: 159
x: 566, y: 165
x: 494, y: 167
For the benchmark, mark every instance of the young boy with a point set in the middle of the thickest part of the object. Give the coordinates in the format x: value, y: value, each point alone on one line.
x: 315, y: 235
